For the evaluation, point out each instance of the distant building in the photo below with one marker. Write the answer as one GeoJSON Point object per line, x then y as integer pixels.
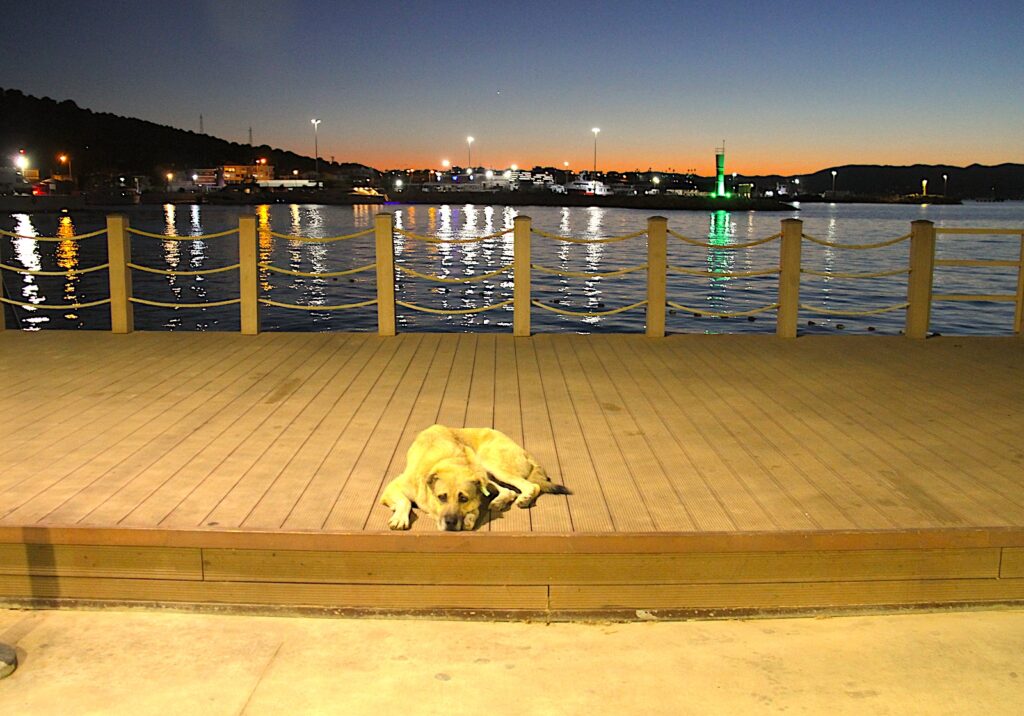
{"type": "Point", "coordinates": [246, 173]}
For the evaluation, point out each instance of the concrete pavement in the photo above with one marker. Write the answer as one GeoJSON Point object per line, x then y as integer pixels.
{"type": "Point", "coordinates": [137, 662]}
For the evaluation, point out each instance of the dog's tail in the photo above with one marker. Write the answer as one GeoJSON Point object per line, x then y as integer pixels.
{"type": "Point", "coordinates": [539, 476]}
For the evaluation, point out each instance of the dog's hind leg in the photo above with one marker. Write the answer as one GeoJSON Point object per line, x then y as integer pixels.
{"type": "Point", "coordinates": [528, 491]}
{"type": "Point", "coordinates": [503, 498]}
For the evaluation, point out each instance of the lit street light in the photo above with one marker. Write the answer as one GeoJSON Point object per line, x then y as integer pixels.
{"type": "Point", "coordinates": [834, 181]}
{"type": "Point", "coordinates": [170, 176]}
{"type": "Point", "coordinates": [595, 130]}
{"type": "Point", "coordinates": [21, 161]}
{"type": "Point", "coordinates": [316, 149]}
{"type": "Point", "coordinates": [445, 163]}
{"type": "Point", "coordinates": [924, 187]}
{"type": "Point", "coordinates": [945, 179]}
{"type": "Point", "coordinates": [65, 159]}
{"type": "Point", "coordinates": [469, 149]}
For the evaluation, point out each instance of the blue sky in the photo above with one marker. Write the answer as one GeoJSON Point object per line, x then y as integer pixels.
{"type": "Point", "coordinates": [791, 86]}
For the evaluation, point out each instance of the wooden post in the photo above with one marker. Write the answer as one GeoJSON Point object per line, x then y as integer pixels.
{"type": "Point", "coordinates": [919, 287]}
{"type": "Point", "coordinates": [1018, 324]}
{"type": "Point", "coordinates": [119, 254]}
{"type": "Point", "coordinates": [657, 261]}
{"type": "Point", "coordinates": [521, 276]}
{"type": "Point", "coordinates": [3, 306]}
{"type": "Point", "coordinates": [248, 274]}
{"type": "Point", "coordinates": [789, 278]}
{"type": "Point", "coordinates": [384, 232]}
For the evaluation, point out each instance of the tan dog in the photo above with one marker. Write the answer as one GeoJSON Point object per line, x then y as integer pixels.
{"type": "Point", "coordinates": [450, 471]}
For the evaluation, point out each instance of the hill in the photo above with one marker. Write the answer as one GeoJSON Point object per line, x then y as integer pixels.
{"type": "Point", "coordinates": [106, 144]}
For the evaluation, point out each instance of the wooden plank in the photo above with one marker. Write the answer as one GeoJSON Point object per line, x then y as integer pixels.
{"type": "Point", "coordinates": [118, 482]}
{"type": "Point", "coordinates": [125, 427]}
{"type": "Point", "coordinates": [279, 459]}
{"type": "Point", "coordinates": [589, 509]}
{"type": "Point", "coordinates": [371, 398]}
{"type": "Point", "coordinates": [456, 394]}
{"type": "Point", "coordinates": [650, 478]}
{"type": "Point", "coordinates": [363, 483]}
{"type": "Point", "coordinates": [421, 597]}
{"type": "Point", "coordinates": [101, 561]}
{"type": "Point", "coordinates": [235, 442]}
{"type": "Point", "coordinates": [547, 514]}
{"type": "Point", "coordinates": [507, 417]}
{"type": "Point", "coordinates": [577, 569]}
{"type": "Point", "coordinates": [790, 595]}
{"type": "Point", "coordinates": [1012, 564]}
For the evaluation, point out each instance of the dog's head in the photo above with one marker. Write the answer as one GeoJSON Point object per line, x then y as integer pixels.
{"type": "Point", "coordinates": [455, 491]}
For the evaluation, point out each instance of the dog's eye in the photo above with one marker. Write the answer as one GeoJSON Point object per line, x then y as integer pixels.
{"type": "Point", "coordinates": [442, 498]}
{"type": "Point", "coordinates": [463, 498]}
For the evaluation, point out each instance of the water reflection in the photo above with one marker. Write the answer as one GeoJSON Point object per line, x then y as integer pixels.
{"type": "Point", "coordinates": [720, 233]}
{"type": "Point", "coordinates": [67, 259]}
{"type": "Point", "coordinates": [26, 251]}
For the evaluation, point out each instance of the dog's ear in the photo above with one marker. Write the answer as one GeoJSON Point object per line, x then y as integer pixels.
{"type": "Point", "coordinates": [485, 485]}
{"type": "Point", "coordinates": [431, 480]}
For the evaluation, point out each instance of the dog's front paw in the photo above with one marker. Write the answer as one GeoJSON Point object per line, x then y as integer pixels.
{"type": "Point", "coordinates": [399, 522]}
{"type": "Point", "coordinates": [503, 501]}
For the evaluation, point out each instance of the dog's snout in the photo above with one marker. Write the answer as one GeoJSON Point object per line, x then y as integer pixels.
{"type": "Point", "coordinates": [451, 522]}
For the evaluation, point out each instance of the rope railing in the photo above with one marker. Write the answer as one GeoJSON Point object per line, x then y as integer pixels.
{"type": "Point", "coordinates": [51, 306]}
{"type": "Point", "coordinates": [435, 240]}
{"type": "Point", "coordinates": [588, 314]}
{"type": "Point", "coordinates": [722, 274]}
{"type": "Point", "coordinates": [588, 274]}
{"type": "Point", "coordinates": [721, 314]}
{"type": "Point", "coordinates": [727, 247]}
{"type": "Point", "coordinates": [571, 240]}
{"type": "Point", "coordinates": [170, 272]}
{"type": "Point", "coordinates": [68, 272]}
{"type": "Point", "coordinates": [78, 237]}
{"type": "Point", "coordinates": [856, 274]}
{"type": "Point", "coordinates": [316, 274]}
{"type": "Point", "coordinates": [444, 279]}
{"type": "Point", "coordinates": [837, 312]}
{"type": "Point", "coordinates": [856, 247]}
{"type": "Point", "coordinates": [306, 307]}
{"type": "Point", "coordinates": [453, 311]}
{"type": "Point", "coordinates": [320, 240]}
{"type": "Point", "coordinates": [194, 237]}
{"type": "Point", "coordinates": [164, 304]}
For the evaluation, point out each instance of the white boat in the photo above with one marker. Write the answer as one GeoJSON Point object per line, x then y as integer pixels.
{"type": "Point", "coordinates": [588, 187]}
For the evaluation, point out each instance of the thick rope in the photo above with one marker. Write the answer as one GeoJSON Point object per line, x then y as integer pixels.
{"type": "Point", "coordinates": [728, 247]}
{"type": "Point", "coordinates": [585, 274]}
{"type": "Point", "coordinates": [831, 312]}
{"type": "Point", "coordinates": [338, 307]}
{"type": "Point", "coordinates": [588, 314]}
{"type": "Point", "coordinates": [324, 274]}
{"type": "Point", "coordinates": [857, 247]}
{"type": "Point", "coordinates": [324, 240]}
{"type": "Point", "coordinates": [161, 304]}
{"type": "Point", "coordinates": [197, 237]}
{"type": "Point", "coordinates": [79, 237]}
{"type": "Point", "coordinates": [69, 272]}
{"type": "Point", "coordinates": [722, 274]}
{"type": "Point", "coordinates": [52, 307]}
{"type": "Point", "coordinates": [570, 240]}
{"type": "Point", "coordinates": [867, 274]}
{"type": "Point", "coordinates": [453, 311]}
{"type": "Point", "coordinates": [441, 279]}
{"type": "Point", "coordinates": [168, 272]}
{"type": "Point", "coordinates": [721, 314]}
{"type": "Point", "coordinates": [435, 240]}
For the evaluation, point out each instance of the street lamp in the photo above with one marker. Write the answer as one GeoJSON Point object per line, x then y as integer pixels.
{"type": "Point", "coordinates": [65, 159]}
{"type": "Point", "coordinates": [170, 176]}
{"type": "Point", "coordinates": [316, 149]}
{"type": "Point", "coordinates": [21, 161]}
{"type": "Point", "coordinates": [834, 181]}
{"type": "Point", "coordinates": [469, 149]}
{"type": "Point", "coordinates": [924, 187]}
{"type": "Point", "coordinates": [945, 179]}
{"type": "Point", "coordinates": [595, 130]}
{"type": "Point", "coordinates": [445, 163]}
{"type": "Point", "coordinates": [398, 185]}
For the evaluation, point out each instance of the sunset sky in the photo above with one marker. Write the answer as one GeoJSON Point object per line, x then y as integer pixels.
{"type": "Point", "coordinates": [792, 87]}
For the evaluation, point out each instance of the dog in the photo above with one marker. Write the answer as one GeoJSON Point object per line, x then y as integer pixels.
{"type": "Point", "coordinates": [451, 472]}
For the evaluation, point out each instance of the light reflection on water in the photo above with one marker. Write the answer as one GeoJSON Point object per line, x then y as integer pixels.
{"type": "Point", "coordinates": [845, 223]}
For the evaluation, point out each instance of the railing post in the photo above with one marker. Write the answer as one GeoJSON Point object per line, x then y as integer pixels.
{"type": "Point", "coordinates": [521, 276]}
{"type": "Point", "coordinates": [789, 278]}
{"type": "Point", "coordinates": [657, 261]}
{"type": "Point", "coordinates": [248, 283]}
{"type": "Point", "coordinates": [119, 254]}
{"type": "Point", "coordinates": [3, 306]}
{"type": "Point", "coordinates": [919, 287]}
{"type": "Point", "coordinates": [384, 234]}
{"type": "Point", "coordinates": [1018, 323]}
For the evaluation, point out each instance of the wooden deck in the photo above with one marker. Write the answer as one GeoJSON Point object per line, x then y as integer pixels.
{"type": "Point", "coordinates": [708, 472]}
